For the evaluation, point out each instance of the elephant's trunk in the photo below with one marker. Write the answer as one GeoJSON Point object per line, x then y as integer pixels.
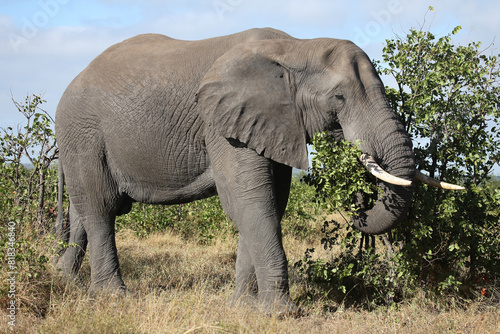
{"type": "Point", "coordinates": [392, 150]}
{"type": "Point", "coordinates": [390, 208]}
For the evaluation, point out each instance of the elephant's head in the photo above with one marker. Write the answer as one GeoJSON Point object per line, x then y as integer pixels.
{"type": "Point", "coordinates": [273, 95]}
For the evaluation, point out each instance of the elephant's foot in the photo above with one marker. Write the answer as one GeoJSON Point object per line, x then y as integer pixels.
{"type": "Point", "coordinates": [279, 306]}
{"type": "Point", "coordinates": [246, 299]}
{"type": "Point", "coordinates": [67, 263]}
{"type": "Point", "coordinates": [112, 286]}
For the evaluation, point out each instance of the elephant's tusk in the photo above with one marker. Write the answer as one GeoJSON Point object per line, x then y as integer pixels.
{"type": "Point", "coordinates": [370, 164]}
{"type": "Point", "coordinates": [436, 183]}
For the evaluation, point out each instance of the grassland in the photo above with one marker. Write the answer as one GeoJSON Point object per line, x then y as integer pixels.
{"type": "Point", "coordinates": [177, 285]}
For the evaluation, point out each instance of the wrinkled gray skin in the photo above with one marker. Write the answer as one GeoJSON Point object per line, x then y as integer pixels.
{"type": "Point", "coordinates": [159, 120]}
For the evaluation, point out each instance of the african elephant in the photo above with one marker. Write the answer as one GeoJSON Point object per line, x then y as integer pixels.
{"type": "Point", "coordinates": [159, 120]}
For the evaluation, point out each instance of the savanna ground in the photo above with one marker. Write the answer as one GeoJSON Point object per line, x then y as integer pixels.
{"type": "Point", "coordinates": [179, 285]}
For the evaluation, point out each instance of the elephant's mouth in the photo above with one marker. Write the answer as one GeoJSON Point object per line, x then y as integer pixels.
{"type": "Point", "coordinates": [377, 171]}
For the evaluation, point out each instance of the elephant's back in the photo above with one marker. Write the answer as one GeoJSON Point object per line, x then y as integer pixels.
{"type": "Point", "coordinates": [136, 101]}
{"type": "Point", "coordinates": [156, 54]}
{"type": "Point", "coordinates": [151, 69]}
{"type": "Point", "coordinates": [151, 72]}
{"type": "Point", "coordinates": [149, 60]}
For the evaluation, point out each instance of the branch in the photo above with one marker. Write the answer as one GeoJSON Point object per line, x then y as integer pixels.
{"type": "Point", "coordinates": [388, 244]}
{"type": "Point", "coordinates": [47, 114]}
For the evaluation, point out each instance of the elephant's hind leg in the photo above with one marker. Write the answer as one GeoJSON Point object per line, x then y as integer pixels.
{"type": "Point", "coordinates": [96, 200]}
{"type": "Point", "coordinates": [70, 259]}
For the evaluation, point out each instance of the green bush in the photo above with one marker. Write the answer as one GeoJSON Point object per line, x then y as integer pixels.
{"type": "Point", "coordinates": [28, 188]}
{"type": "Point", "coordinates": [447, 99]}
{"type": "Point", "coordinates": [301, 210]}
{"type": "Point", "coordinates": [202, 220]}
{"type": "Point", "coordinates": [357, 273]}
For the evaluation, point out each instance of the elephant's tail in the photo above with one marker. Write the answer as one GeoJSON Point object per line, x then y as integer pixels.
{"type": "Point", "coordinates": [62, 225]}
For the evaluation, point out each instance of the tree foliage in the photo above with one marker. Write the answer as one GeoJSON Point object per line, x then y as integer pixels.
{"type": "Point", "coordinates": [25, 159]}
{"type": "Point", "coordinates": [447, 98]}
{"type": "Point", "coordinates": [336, 175]}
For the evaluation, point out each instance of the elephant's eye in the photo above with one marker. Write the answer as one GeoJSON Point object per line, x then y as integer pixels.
{"type": "Point", "coordinates": [337, 101]}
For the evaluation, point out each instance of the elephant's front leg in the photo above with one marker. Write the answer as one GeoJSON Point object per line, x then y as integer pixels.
{"type": "Point", "coordinates": [245, 184]}
{"type": "Point", "coordinates": [246, 281]}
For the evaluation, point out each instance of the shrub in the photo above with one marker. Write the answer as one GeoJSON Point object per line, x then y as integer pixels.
{"type": "Point", "coordinates": [301, 210]}
{"type": "Point", "coordinates": [27, 202]}
{"type": "Point", "coordinates": [202, 220]}
{"type": "Point", "coordinates": [447, 99]}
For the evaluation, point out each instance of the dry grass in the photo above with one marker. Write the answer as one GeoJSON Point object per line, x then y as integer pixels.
{"type": "Point", "coordinates": [178, 286]}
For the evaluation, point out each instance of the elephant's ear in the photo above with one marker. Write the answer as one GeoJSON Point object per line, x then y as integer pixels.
{"type": "Point", "coordinates": [248, 96]}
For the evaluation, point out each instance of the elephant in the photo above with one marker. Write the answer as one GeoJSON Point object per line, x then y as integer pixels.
{"type": "Point", "coordinates": [165, 121]}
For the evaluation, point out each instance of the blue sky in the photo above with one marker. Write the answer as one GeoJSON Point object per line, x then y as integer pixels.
{"type": "Point", "coordinates": [44, 44]}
